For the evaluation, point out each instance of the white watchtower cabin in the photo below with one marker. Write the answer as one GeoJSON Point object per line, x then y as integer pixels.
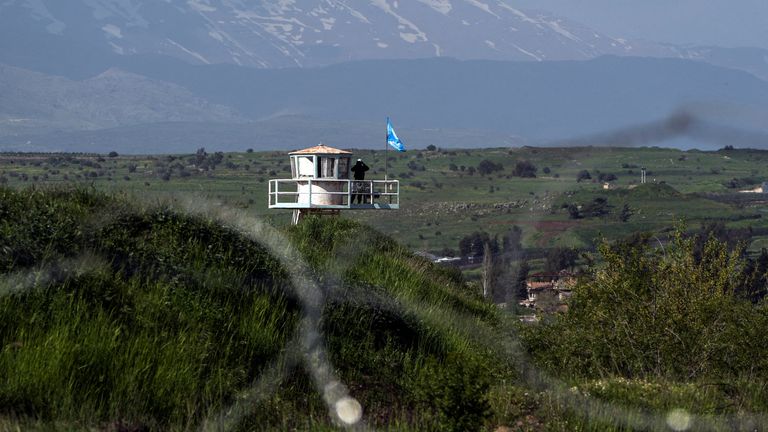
{"type": "Point", "coordinates": [321, 184]}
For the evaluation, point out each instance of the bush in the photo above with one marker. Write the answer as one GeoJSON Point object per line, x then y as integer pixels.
{"type": "Point", "coordinates": [583, 175]}
{"type": "Point", "coordinates": [657, 313]}
{"type": "Point", "coordinates": [487, 167]}
{"type": "Point", "coordinates": [524, 169]}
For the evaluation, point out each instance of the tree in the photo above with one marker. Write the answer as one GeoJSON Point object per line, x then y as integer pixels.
{"type": "Point", "coordinates": [520, 287]}
{"type": "Point", "coordinates": [583, 175]}
{"type": "Point", "coordinates": [573, 211]}
{"type": "Point", "coordinates": [511, 241]}
{"type": "Point", "coordinates": [431, 147]}
{"type": "Point", "coordinates": [524, 169]}
{"type": "Point", "coordinates": [486, 167]}
{"type": "Point", "coordinates": [112, 154]}
{"type": "Point", "coordinates": [546, 170]}
{"type": "Point", "coordinates": [472, 245]}
{"type": "Point", "coordinates": [488, 268]}
{"type": "Point", "coordinates": [597, 208]}
{"type": "Point", "coordinates": [560, 259]}
{"type": "Point", "coordinates": [200, 156]}
{"type": "Point", "coordinates": [626, 213]}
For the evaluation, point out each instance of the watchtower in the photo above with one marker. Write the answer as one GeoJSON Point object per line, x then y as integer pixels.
{"type": "Point", "coordinates": [320, 184]}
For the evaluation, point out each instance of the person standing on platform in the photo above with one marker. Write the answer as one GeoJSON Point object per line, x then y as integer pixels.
{"type": "Point", "coordinates": [359, 187]}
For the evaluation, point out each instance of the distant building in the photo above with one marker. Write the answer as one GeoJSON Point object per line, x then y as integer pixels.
{"type": "Point", "coordinates": [560, 284]}
{"type": "Point", "coordinates": [448, 260]}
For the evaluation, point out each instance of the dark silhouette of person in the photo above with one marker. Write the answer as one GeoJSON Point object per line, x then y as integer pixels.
{"type": "Point", "coordinates": [359, 187]}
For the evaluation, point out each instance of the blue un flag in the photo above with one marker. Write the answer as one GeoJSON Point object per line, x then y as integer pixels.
{"type": "Point", "coordinates": [392, 138]}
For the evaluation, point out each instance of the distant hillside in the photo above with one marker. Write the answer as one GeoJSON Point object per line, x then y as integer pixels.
{"type": "Point", "coordinates": [36, 103]}
{"type": "Point", "coordinates": [498, 103]}
{"type": "Point", "coordinates": [281, 133]}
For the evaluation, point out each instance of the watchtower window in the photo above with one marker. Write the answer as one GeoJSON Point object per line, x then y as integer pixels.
{"type": "Point", "coordinates": [344, 168]}
{"type": "Point", "coordinates": [305, 166]}
{"type": "Point", "coordinates": [325, 168]}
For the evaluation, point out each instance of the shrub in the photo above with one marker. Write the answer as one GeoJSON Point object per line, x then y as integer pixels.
{"type": "Point", "coordinates": [486, 167]}
{"type": "Point", "coordinates": [583, 175]}
{"type": "Point", "coordinates": [524, 169]}
{"type": "Point", "coordinates": [657, 313]}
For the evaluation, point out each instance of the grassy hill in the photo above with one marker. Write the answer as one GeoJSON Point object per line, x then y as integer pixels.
{"type": "Point", "coordinates": [113, 315]}
{"type": "Point", "coordinates": [116, 314]}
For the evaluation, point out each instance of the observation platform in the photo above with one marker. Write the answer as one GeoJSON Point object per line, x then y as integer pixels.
{"type": "Point", "coordinates": [334, 194]}
{"type": "Point", "coordinates": [320, 184]}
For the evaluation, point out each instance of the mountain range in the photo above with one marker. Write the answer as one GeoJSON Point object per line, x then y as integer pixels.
{"type": "Point", "coordinates": [103, 67]}
{"type": "Point", "coordinates": [81, 38]}
{"type": "Point", "coordinates": [439, 100]}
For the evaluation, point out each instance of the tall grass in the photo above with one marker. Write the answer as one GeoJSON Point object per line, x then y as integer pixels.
{"type": "Point", "coordinates": [183, 314]}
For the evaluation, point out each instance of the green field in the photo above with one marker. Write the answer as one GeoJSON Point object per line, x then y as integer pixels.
{"type": "Point", "coordinates": [441, 203]}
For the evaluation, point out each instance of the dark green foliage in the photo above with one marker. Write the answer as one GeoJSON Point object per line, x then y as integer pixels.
{"type": "Point", "coordinates": [560, 259]}
{"type": "Point", "coordinates": [183, 314]}
{"type": "Point", "coordinates": [661, 314]}
{"type": "Point", "coordinates": [512, 240]}
{"type": "Point", "coordinates": [736, 183]}
{"type": "Point", "coordinates": [626, 213]}
{"type": "Point", "coordinates": [37, 225]}
{"type": "Point", "coordinates": [486, 167]}
{"type": "Point", "coordinates": [606, 177]}
{"type": "Point", "coordinates": [520, 288]}
{"type": "Point", "coordinates": [573, 211]}
{"type": "Point", "coordinates": [456, 389]}
{"type": "Point", "coordinates": [473, 244]}
{"type": "Point", "coordinates": [583, 175]}
{"type": "Point", "coordinates": [524, 169]}
{"type": "Point", "coordinates": [598, 207]}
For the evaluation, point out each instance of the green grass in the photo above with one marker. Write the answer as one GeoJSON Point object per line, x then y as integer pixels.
{"type": "Point", "coordinates": [429, 218]}
{"type": "Point", "coordinates": [140, 315]}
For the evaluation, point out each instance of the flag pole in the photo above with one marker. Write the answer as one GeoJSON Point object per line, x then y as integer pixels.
{"type": "Point", "coordinates": [386, 152]}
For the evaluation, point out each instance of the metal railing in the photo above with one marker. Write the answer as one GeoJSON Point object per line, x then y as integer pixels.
{"type": "Point", "coordinates": [334, 194]}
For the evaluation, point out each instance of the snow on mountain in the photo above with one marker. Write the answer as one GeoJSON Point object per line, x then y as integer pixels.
{"type": "Point", "coordinates": [284, 33]}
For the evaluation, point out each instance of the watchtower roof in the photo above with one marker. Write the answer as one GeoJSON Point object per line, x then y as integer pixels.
{"type": "Point", "coordinates": [320, 149]}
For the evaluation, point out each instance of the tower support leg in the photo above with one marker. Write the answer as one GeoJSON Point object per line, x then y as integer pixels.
{"type": "Point", "coordinates": [300, 214]}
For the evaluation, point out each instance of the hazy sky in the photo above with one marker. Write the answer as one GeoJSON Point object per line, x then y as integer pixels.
{"type": "Point", "coordinates": [708, 22]}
